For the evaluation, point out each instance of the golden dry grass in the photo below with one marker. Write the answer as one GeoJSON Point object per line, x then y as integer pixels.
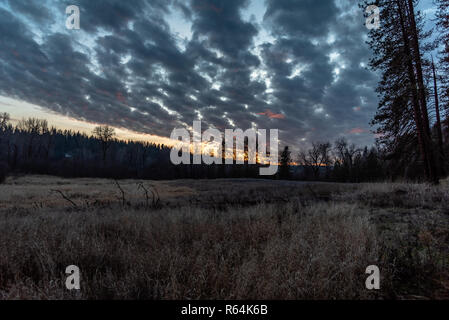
{"type": "Point", "coordinates": [222, 239]}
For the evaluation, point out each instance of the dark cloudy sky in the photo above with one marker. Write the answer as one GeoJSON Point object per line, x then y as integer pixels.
{"type": "Point", "coordinates": [299, 66]}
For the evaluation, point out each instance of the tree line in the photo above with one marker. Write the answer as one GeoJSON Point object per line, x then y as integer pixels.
{"type": "Point", "coordinates": [32, 147]}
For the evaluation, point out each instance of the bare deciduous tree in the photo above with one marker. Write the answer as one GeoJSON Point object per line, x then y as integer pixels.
{"type": "Point", "coordinates": [4, 120]}
{"type": "Point", "coordinates": [106, 135]}
{"type": "Point", "coordinates": [316, 157]}
{"type": "Point", "coordinates": [35, 128]}
{"type": "Point", "coordinates": [346, 153]}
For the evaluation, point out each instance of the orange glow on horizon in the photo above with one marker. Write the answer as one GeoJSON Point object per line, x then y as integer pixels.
{"type": "Point", "coordinates": [20, 109]}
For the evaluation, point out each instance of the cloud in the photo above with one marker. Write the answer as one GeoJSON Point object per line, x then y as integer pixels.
{"type": "Point", "coordinates": [126, 67]}
{"type": "Point", "coordinates": [357, 131]}
{"type": "Point", "coordinates": [272, 115]}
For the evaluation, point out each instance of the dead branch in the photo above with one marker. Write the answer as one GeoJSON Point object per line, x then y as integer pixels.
{"type": "Point", "coordinates": [65, 198]}
{"type": "Point", "coordinates": [147, 197]}
{"type": "Point", "coordinates": [122, 192]}
{"type": "Point", "coordinates": [155, 202]}
{"type": "Point", "coordinates": [155, 195]}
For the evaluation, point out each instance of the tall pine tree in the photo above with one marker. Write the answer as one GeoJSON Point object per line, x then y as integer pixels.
{"type": "Point", "coordinates": [402, 118]}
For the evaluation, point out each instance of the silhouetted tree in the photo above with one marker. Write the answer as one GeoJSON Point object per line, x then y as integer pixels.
{"type": "Point", "coordinates": [285, 162]}
{"type": "Point", "coordinates": [4, 136]}
{"type": "Point", "coordinates": [4, 120]}
{"type": "Point", "coordinates": [345, 155]}
{"type": "Point", "coordinates": [316, 158]}
{"type": "Point", "coordinates": [402, 116]}
{"type": "Point", "coordinates": [106, 135]}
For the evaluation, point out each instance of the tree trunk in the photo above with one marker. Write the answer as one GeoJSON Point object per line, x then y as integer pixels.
{"type": "Point", "coordinates": [415, 101]}
{"type": "Point", "coordinates": [422, 92]}
{"type": "Point", "coordinates": [418, 65]}
{"type": "Point", "coordinates": [438, 123]}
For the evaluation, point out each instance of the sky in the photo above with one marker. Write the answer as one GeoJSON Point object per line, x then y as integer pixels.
{"type": "Point", "coordinates": [148, 67]}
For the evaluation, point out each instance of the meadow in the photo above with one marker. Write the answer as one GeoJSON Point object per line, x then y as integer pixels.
{"type": "Point", "coordinates": [222, 239]}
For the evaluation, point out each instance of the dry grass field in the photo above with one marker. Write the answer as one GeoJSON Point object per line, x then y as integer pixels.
{"type": "Point", "coordinates": [222, 239]}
